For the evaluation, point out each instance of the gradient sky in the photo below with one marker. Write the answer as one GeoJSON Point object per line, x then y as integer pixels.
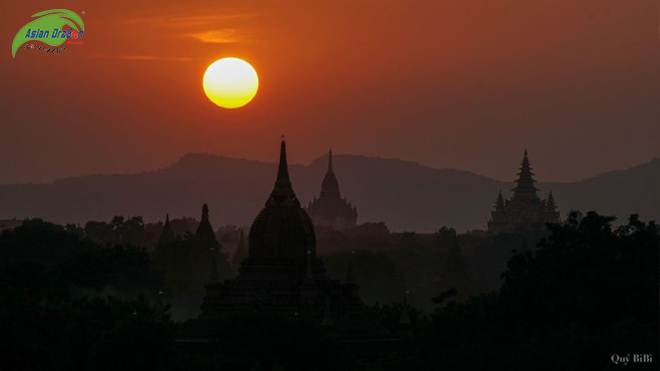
{"type": "Point", "coordinates": [466, 84]}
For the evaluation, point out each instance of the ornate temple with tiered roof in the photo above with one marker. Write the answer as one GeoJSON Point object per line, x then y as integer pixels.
{"type": "Point", "coordinates": [282, 274]}
{"type": "Point", "coordinates": [329, 209]}
{"type": "Point", "coordinates": [525, 210]}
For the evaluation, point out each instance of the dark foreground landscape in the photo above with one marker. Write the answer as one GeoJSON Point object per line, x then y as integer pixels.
{"type": "Point", "coordinates": [127, 295]}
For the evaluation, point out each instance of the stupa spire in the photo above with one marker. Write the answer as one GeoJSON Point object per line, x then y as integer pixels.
{"type": "Point", "coordinates": [330, 169]}
{"type": "Point", "coordinates": [283, 180]}
{"type": "Point", "coordinates": [282, 192]}
{"type": "Point", "coordinates": [167, 235]}
{"type": "Point", "coordinates": [525, 181]}
{"type": "Point", "coordinates": [204, 234]}
{"type": "Point", "coordinates": [330, 185]}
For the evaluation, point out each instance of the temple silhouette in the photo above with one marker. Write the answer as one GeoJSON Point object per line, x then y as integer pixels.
{"type": "Point", "coordinates": [282, 274]}
{"type": "Point", "coordinates": [167, 236]}
{"type": "Point", "coordinates": [241, 252]}
{"type": "Point", "coordinates": [524, 210]}
{"type": "Point", "coordinates": [329, 209]}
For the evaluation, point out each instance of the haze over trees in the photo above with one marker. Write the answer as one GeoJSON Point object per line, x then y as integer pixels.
{"type": "Point", "coordinates": [71, 301]}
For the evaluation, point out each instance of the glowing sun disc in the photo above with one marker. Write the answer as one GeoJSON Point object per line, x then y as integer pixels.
{"type": "Point", "coordinates": [230, 82]}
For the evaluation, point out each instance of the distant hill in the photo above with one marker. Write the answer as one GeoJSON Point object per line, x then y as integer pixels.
{"type": "Point", "coordinates": [405, 195]}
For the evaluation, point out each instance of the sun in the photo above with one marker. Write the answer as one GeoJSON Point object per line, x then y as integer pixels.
{"type": "Point", "coordinates": [230, 82]}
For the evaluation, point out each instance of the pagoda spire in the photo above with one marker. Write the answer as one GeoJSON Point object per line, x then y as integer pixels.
{"type": "Point", "coordinates": [330, 185]}
{"type": "Point", "coordinates": [204, 234]}
{"type": "Point", "coordinates": [283, 180]}
{"type": "Point", "coordinates": [525, 168]}
{"type": "Point", "coordinates": [167, 235]}
{"type": "Point", "coordinates": [551, 211]}
{"type": "Point", "coordinates": [282, 192]}
{"type": "Point", "coordinates": [330, 169]}
{"type": "Point", "coordinates": [525, 181]}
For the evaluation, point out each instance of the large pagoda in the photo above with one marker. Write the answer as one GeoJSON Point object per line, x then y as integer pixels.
{"type": "Point", "coordinates": [330, 209]}
{"type": "Point", "coordinates": [525, 210]}
{"type": "Point", "coordinates": [282, 274]}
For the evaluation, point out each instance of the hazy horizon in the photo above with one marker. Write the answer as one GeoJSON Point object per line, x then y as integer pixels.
{"type": "Point", "coordinates": [294, 161]}
{"type": "Point", "coordinates": [235, 190]}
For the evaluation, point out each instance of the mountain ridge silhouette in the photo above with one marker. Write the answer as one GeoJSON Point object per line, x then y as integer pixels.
{"type": "Point", "coordinates": [405, 195]}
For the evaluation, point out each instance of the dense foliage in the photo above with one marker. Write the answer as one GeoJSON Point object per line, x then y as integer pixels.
{"type": "Point", "coordinates": [587, 291]}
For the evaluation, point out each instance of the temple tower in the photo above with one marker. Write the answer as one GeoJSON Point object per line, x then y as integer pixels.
{"type": "Point", "coordinates": [330, 209]}
{"type": "Point", "coordinates": [283, 275]}
{"type": "Point", "coordinates": [167, 236]}
{"type": "Point", "coordinates": [524, 210]}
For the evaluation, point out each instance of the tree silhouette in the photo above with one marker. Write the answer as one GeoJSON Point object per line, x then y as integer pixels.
{"type": "Point", "coordinates": [566, 305]}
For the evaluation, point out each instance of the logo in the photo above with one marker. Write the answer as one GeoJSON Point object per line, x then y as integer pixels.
{"type": "Point", "coordinates": [48, 28]}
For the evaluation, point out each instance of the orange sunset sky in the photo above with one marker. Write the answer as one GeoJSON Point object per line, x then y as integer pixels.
{"type": "Point", "coordinates": [466, 84]}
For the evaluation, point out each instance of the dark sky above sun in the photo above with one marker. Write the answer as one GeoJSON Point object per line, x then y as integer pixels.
{"type": "Point", "coordinates": [466, 84]}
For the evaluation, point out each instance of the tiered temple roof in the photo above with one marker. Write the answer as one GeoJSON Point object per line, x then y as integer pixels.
{"type": "Point", "coordinates": [524, 210]}
{"type": "Point", "coordinates": [330, 209]}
